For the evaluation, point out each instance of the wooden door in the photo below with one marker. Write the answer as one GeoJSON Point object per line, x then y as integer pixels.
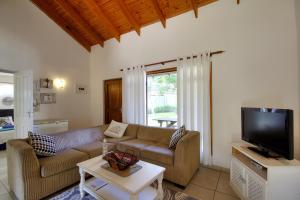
{"type": "Point", "coordinates": [113, 100]}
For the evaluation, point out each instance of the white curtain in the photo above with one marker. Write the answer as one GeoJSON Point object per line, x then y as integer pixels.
{"type": "Point", "coordinates": [134, 95]}
{"type": "Point", "coordinates": [194, 100]}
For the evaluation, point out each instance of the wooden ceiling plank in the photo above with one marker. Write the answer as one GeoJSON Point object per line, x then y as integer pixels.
{"type": "Point", "coordinates": [97, 11]}
{"type": "Point", "coordinates": [159, 12]}
{"type": "Point", "coordinates": [129, 17]}
{"type": "Point", "coordinates": [195, 7]}
{"type": "Point", "coordinates": [79, 20]}
{"type": "Point", "coordinates": [43, 6]}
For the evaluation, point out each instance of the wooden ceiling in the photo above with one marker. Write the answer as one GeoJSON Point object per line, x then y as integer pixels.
{"type": "Point", "coordinates": [92, 22]}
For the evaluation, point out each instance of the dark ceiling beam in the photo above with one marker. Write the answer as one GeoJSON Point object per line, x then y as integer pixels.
{"type": "Point", "coordinates": [134, 24]}
{"type": "Point", "coordinates": [159, 12]}
{"type": "Point", "coordinates": [43, 6]}
{"type": "Point", "coordinates": [98, 12]}
{"type": "Point", "coordinates": [80, 21]}
{"type": "Point", "coordinates": [195, 7]}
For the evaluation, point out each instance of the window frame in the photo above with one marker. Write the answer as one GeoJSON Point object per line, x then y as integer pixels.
{"type": "Point", "coordinates": [156, 72]}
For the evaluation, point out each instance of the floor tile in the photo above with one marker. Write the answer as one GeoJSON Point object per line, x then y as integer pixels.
{"type": "Point", "coordinates": [3, 169]}
{"type": "Point", "coordinates": [3, 189]}
{"type": "Point", "coordinates": [4, 181]}
{"type": "Point", "coordinates": [2, 154]}
{"type": "Point", "coordinates": [224, 184]}
{"type": "Point", "coordinates": [207, 178]}
{"type": "Point", "coordinates": [5, 197]}
{"type": "Point", "coordinates": [222, 196]}
{"type": "Point", "coordinates": [199, 192]}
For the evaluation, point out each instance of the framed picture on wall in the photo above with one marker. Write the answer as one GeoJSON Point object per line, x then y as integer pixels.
{"type": "Point", "coordinates": [48, 98]}
{"type": "Point", "coordinates": [46, 83]}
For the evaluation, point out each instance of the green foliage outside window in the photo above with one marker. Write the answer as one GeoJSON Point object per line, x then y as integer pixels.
{"type": "Point", "coordinates": [167, 83]}
{"type": "Point", "coordinates": [163, 109]}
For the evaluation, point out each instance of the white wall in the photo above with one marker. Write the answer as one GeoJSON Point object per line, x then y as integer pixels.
{"type": "Point", "coordinates": [6, 78]}
{"type": "Point", "coordinates": [297, 14]}
{"type": "Point", "coordinates": [31, 40]}
{"type": "Point", "coordinates": [259, 67]}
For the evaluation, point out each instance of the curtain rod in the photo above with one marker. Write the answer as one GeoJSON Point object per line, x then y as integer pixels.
{"type": "Point", "coordinates": [173, 60]}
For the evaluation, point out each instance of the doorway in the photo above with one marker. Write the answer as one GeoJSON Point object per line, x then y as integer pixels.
{"type": "Point", "coordinates": [7, 125]}
{"type": "Point", "coordinates": [113, 100]}
{"type": "Point", "coordinates": [16, 104]}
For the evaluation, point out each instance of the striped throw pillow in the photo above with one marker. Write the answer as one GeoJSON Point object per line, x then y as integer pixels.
{"type": "Point", "coordinates": [43, 145]}
{"type": "Point", "coordinates": [179, 133]}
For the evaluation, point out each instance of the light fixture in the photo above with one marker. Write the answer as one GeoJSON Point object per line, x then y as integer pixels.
{"type": "Point", "coordinates": [59, 83]}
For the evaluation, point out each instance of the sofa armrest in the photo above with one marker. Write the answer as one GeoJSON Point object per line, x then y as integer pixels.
{"type": "Point", "coordinates": [21, 159]}
{"type": "Point", "coordinates": [23, 166]}
{"type": "Point", "coordinates": [187, 153]}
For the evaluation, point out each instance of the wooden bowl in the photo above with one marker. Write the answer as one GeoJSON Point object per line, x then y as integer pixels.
{"type": "Point", "coordinates": [120, 160]}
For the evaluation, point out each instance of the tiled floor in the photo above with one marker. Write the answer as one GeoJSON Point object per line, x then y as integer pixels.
{"type": "Point", "coordinates": [4, 194]}
{"type": "Point", "coordinates": [207, 184]}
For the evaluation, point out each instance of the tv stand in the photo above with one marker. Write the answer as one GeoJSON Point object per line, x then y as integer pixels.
{"type": "Point", "coordinates": [253, 176]}
{"type": "Point", "coordinates": [263, 152]}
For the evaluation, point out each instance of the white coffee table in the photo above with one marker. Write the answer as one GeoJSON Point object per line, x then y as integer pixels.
{"type": "Point", "coordinates": [134, 187]}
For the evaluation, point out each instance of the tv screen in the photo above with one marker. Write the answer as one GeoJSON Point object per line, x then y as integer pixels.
{"type": "Point", "coordinates": [270, 129]}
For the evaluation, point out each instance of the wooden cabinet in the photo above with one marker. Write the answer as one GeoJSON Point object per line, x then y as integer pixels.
{"type": "Point", "coordinates": [237, 176]}
{"type": "Point", "coordinates": [254, 177]}
{"type": "Point", "coordinates": [255, 186]}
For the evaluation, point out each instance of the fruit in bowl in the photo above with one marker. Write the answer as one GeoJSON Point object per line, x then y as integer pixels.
{"type": "Point", "coordinates": [120, 160]}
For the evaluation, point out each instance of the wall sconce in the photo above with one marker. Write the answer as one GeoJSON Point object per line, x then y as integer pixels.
{"type": "Point", "coordinates": [59, 83]}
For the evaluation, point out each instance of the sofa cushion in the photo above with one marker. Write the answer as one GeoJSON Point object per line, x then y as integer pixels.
{"type": "Point", "coordinates": [132, 130]}
{"type": "Point", "coordinates": [133, 146]}
{"type": "Point", "coordinates": [61, 162]}
{"type": "Point", "coordinates": [158, 152]}
{"type": "Point", "coordinates": [70, 139]}
{"type": "Point", "coordinates": [94, 149]}
{"type": "Point", "coordinates": [155, 134]}
{"type": "Point", "coordinates": [116, 140]}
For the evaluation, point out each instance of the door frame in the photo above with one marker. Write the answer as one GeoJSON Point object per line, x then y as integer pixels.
{"type": "Point", "coordinates": [23, 118]}
{"type": "Point", "coordinates": [106, 96]}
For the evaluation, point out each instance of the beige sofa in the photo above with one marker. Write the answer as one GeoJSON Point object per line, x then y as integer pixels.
{"type": "Point", "coordinates": [32, 177]}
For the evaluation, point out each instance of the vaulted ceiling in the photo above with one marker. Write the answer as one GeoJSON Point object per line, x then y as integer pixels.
{"type": "Point", "coordinates": [92, 22]}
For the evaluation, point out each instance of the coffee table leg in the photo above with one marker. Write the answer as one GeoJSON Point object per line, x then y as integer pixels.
{"type": "Point", "coordinates": [160, 190]}
{"type": "Point", "coordinates": [82, 180]}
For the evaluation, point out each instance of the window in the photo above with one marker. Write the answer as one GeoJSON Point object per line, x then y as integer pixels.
{"type": "Point", "coordinates": [162, 98]}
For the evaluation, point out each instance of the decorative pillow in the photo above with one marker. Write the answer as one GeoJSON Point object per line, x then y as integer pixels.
{"type": "Point", "coordinates": [115, 129]}
{"type": "Point", "coordinates": [179, 133]}
{"type": "Point", "coordinates": [43, 145]}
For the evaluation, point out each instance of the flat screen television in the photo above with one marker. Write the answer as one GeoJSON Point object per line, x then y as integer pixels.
{"type": "Point", "coordinates": [270, 129]}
